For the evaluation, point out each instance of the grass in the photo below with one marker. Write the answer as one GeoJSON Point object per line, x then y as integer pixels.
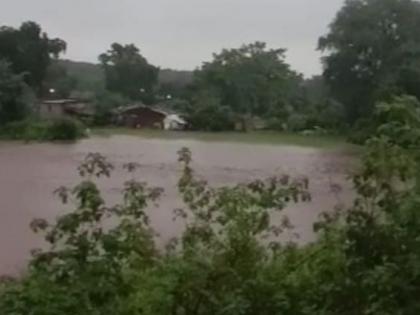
{"type": "Point", "coordinates": [256, 137]}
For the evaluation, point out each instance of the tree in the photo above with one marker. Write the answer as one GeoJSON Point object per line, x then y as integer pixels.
{"type": "Point", "coordinates": [127, 72]}
{"type": "Point", "coordinates": [12, 93]}
{"type": "Point", "coordinates": [321, 108]}
{"type": "Point", "coordinates": [174, 83]}
{"type": "Point", "coordinates": [206, 113]}
{"type": "Point", "coordinates": [29, 51]}
{"type": "Point", "coordinates": [373, 52]}
{"type": "Point", "coordinates": [251, 80]}
{"type": "Point", "coordinates": [57, 78]}
{"type": "Point", "coordinates": [105, 104]}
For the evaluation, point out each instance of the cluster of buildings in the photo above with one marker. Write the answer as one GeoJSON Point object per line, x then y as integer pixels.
{"type": "Point", "coordinates": [133, 116]}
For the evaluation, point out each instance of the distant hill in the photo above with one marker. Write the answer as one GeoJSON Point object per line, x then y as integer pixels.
{"type": "Point", "coordinates": [179, 78]}
{"type": "Point", "coordinates": [90, 76]}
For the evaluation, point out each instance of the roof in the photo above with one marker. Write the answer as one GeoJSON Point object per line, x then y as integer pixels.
{"type": "Point", "coordinates": [141, 106]}
{"type": "Point", "coordinates": [59, 102]}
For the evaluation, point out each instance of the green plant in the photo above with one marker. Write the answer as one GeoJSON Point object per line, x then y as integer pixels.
{"type": "Point", "coordinates": [64, 129]}
{"type": "Point", "coordinates": [297, 122]}
{"type": "Point", "coordinates": [25, 130]}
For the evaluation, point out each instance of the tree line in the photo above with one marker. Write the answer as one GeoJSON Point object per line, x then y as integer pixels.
{"type": "Point", "coordinates": [371, 53]}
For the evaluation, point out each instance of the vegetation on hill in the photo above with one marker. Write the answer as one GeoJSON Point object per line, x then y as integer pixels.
{"type": "Point", "coordinates": [87, 76]}
{"type": "Point", "coordinates": [174, 82]}
{"type": "Point", "coordinates": [90, 77]}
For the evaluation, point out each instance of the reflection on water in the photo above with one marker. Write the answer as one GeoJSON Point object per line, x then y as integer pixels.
{"type": "Point", "coordinates": [29, 173]}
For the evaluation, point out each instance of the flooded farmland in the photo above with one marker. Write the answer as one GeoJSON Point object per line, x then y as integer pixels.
{"type": "Point", "coordinates": [29, 173]}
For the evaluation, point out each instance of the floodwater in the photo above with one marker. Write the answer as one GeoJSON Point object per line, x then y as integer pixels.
{"type": "Point", "coordinates": [29, 173]}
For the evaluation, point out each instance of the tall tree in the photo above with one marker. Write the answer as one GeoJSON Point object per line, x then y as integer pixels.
{"type": "Point", "coordinates": [251, 79]}
{"type": "Point", "coordinates": [127, 72]}
{"type": "Point", "coordinates": [29, 50]}
{"type": "Point", "coordinates": [12, 90]}
{"type": "Point", "coordinates": [57, 78]}
{"type": "Point", "coordinates": [372, 51]}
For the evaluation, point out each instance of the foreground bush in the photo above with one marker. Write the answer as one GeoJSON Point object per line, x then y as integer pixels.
{"type": "Point", "coordinates": [60, 129]}
{"type": "Point", "coordinates": [229, 259]}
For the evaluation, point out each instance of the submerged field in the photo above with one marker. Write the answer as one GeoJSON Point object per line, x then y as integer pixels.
{"type": "Point", "coordinates": [255, 137]}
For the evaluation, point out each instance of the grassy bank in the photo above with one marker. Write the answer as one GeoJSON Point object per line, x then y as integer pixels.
{"type": "Point", "coordinates": [256, 137]}
{"type": "Point", "coordinates": [42, 130]}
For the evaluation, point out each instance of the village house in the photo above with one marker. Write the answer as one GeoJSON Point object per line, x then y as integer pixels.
{"type": "Point", "coordinates": [141, 116]}
{"type": "Point", "coordinates": [65, 108]}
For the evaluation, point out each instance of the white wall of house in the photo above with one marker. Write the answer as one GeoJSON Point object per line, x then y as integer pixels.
{"type": "Point", "coordinates": [174, 122]}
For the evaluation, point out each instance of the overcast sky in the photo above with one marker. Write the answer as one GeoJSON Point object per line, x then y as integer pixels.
{"type": "Point", "coordinates": [180, 34]}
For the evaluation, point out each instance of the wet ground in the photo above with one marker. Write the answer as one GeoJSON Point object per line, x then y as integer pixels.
{"type": "Point", "coordinates": [29, 173]}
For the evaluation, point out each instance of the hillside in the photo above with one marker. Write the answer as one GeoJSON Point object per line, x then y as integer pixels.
{"type": "Point", "coordinates": [90, 76]}
{"type": "Point", "coordinates": [180, 78]}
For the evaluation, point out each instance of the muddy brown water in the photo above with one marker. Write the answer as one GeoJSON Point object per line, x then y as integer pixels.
{"type": "Point", "coordinates": [29, 173]}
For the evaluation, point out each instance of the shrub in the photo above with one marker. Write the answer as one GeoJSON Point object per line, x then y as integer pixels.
{"type": "Point", "coordinates": [206, 112]}
{"type": "Point", "coordinates": [25, 130]}
{"type": "Point", "coordinates": [105, 103]}
{"type": "Point", "coordinates": [276, 124]}
{"type": "Point", "coordinates": [297, 122]}
{"type": "Point", "coordinates": [212, 118]}
{"type": "Point", "coordinates": [64, 129]}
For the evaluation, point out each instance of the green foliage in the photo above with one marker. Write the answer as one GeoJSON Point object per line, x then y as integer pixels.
{"type": "Point", "coordinates": [65, 129]}
{"type": "Point", "coordinates": [297, 122]}
{"type": "Point", "coordinates": [58, 79]}
{"type": "Point", "coordinates": [372, 53]}
{"type": "Point", "coordinates": [12, 95]}
{"type": "Point", "coordinates": [174, 82]}
{"type": "Point", "coordinates": [105, 105]}
{"type": "Point", "coordinates": [380, 233]}
{"type": "Point", "coordinates": [405, 105]}
{"type": "Point", "coordinates": [206, 113]}
{"type": "Point", "coordinates": [29, 51]}
{"type": "Point", "coordinates": [251, 80]}
{"type": "Point", "coordinates": [88, 76]}
{"type": "Point", "coordinates": [127, 72]}
{"type": "Point", "coordinates": [277, 124]}
{"type": "Point", "coordinates": [24, 130]}
{"type": "Point", "coordinates": [320, 108]}
{"type": "Point", "coordinates": [60, 129]}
